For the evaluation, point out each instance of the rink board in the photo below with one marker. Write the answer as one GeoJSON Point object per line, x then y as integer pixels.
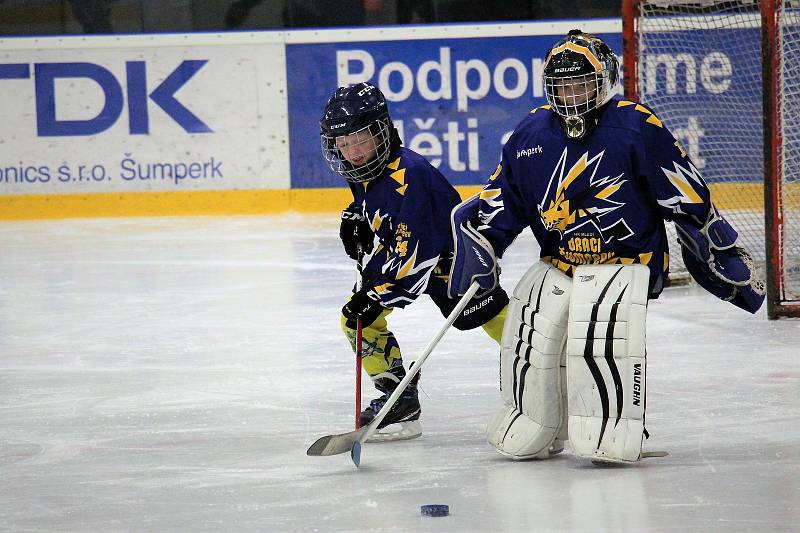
{"type": "Point", "coordinates": [183, 124]}
{"type": "Point", "coordinates": [228, 123]}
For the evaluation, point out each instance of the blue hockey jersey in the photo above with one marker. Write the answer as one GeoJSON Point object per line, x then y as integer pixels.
{"type": "Point", "coordinates": [408, 208]}
{"type": "Point", "coordinates": [600, 199]}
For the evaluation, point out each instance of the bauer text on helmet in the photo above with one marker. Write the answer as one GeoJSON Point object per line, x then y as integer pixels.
{"type": "Point", "coordinates": [580, 76]}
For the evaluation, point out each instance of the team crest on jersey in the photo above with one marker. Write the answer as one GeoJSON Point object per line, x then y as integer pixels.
{"type": "Point", "coordinates": [575, 197]}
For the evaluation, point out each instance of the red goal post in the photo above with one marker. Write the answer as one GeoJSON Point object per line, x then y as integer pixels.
{"type": "Point", "coordinates": [715, 71]}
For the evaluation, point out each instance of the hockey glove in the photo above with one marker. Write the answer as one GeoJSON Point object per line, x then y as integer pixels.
{"type": "Point", "coordinates": [355, 231]}
{"type": "Point", "coordinates": [364, 304]}
{"type": "Point", "coordinates": [747, 296]}
{"type": "Point", "coordinates": [718, 264]}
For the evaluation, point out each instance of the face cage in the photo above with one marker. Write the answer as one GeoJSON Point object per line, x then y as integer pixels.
{"type": "Point", "coordinates": [379, 138]}
{"type": "Point", "coordinates": [588, 92]}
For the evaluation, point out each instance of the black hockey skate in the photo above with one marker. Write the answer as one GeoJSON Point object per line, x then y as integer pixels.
{"type": "Point", "coordinates": [402, 421]}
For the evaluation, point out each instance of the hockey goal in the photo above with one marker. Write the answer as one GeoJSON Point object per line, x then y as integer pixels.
{"type": "Point", "coordinates": [725, 78]}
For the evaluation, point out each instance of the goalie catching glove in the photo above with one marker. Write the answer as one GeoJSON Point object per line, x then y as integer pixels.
{"type": "Point", "coordinates": [473, 256]}
{"type": "Point", "coordinates": [718, 264]}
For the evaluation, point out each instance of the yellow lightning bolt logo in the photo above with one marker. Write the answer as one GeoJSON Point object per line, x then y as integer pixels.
{"type": "Point", "coordinates": [567, 214]}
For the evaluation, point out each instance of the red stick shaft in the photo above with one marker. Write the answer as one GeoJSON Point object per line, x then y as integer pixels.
{"type": "Point", "coordinates": [359, 338]}
{"type": "Point", "coordinates": [358, 372]}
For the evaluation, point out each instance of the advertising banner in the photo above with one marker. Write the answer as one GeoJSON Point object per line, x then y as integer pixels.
{"type": "Point", "coordinates": [142, 114]}
{"type": "Point", "coordinates": [455, 93]}
{"type": "Point", "coordinates": [706, 85]}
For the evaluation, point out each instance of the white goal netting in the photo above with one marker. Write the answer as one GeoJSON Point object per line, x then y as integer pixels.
{"type": "Point", "coordinates": [699, 66]}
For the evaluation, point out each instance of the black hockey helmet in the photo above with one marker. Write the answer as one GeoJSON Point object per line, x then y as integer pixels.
{"type": "Point", "coordinates": [581, 74]}
{"type": "Point", "coordinates": [357, 115]}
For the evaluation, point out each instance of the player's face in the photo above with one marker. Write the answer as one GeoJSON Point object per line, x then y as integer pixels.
{"type": "Point", "coordinates": [577, 90]}
{"type": "Point", "coordinates": [358, 148]}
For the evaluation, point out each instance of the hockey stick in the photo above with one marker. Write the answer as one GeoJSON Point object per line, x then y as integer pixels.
{"type": "Point", "coordinates": [342, 442]}
{"type": "Point", "coordinates": [359, 340]}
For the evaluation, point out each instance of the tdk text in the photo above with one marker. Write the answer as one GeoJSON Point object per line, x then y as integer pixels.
{"type": "Point", "coordinates": [138, 97]}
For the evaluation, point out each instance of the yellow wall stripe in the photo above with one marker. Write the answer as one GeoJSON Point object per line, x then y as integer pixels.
{"type": "Point", "coordinates": [731, 196]}
{"type": "Point", "coordinates": [182, 203]}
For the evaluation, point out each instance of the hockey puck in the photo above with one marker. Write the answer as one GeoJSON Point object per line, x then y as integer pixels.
{"type": "Point", "coordinates": [435, 510]}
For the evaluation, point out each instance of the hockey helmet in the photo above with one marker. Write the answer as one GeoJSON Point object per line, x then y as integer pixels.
{"type": "Point", "coordinates": [581, 74]}
{"type": "Point", "coordinates": [356, 132]}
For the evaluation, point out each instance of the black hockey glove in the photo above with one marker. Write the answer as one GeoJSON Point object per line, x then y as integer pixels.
{"type": "Point", "coordinates": [355, 231]}
{"type": "Point", "coordinates": [364, 304]}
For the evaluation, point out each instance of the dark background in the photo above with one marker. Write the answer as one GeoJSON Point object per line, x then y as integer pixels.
{"type": "Point", "coordinates": [60, 17]}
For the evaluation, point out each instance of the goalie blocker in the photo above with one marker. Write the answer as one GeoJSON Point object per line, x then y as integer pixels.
{"type": "Point", "coordinates": [573, 358]}
{"type": "Point", "coordinates": [473, 257]}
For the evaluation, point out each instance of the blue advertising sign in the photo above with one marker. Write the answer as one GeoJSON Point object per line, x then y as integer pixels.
{"type": "Point", "coordinates": [455, 101]}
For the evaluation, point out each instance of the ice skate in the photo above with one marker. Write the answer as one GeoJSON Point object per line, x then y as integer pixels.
{"type": "Point", "coordinates": [402, 421]}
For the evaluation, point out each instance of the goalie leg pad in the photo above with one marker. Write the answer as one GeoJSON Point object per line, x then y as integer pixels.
{"type": "Point", "coordinates": [606, 362]}
{"type": "Point", "coordinates": [530, 366]}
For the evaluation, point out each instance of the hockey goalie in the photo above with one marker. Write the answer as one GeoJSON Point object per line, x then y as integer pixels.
{"type": "Point", "coordinates": [595, 177]}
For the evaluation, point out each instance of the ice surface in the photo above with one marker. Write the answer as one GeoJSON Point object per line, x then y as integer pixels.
{"type": "Point", "coordinates": [168, 375]}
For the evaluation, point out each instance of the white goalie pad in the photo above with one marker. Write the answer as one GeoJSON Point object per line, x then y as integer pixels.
{"type": "Point", "coordinates": [530, 366]}
{"type": "Point", "coordinates": [606, 361]}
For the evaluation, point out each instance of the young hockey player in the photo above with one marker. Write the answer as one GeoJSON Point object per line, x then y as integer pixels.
{"type": "Point", "coordinates": [404, 204]}
{"type": "Point", "coordinates": [595, 177]}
